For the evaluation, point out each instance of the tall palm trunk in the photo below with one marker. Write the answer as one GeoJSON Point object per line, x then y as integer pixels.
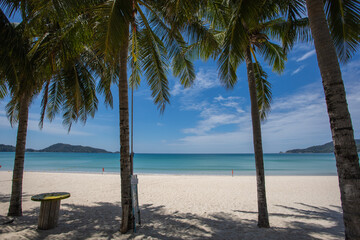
{"type": "Point", "coordinates": [15, 208]}
{"type": "Point", "coordinates": [125, 163]}
{"type": "Point", "coordinates": [263, 218]}
{"type": "Point", "coordinates": [347, 160]}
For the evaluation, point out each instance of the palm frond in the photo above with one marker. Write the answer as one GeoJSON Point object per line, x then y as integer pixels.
{"type": "Point", "coordinates": [343, 19]}
{"type": "Point", "coordinates": [135, 61]}
{"type": "Point", "coordinates": [79, 88]}
{"type": "Point", "coordinates": [176, 48]}
{"type": "Point", "coordinates": [198, 32]}
{"type": "Point", "coordinates": [104, 87]}
{"type": "Point", "coordinates": [274, 55]}
{"type": "Point", "coordinates": [290, 32]}
{"type": "Point", "coordinates": [15, 67]}
{"type": "Point", "coordinates": [12, 111]}
{"type": "Point", "coordinates": [113, 17]}
{"type": "Point", "coordinates": [292, 9]}
{"type": "Point", "coordinates": [55, 97]}
{"type": "Point", "coordinates": [44, 103]}
{"type": "Point", "coordinates": [183, 68]}
{"type": "Point", "coordinates": [227, 67]}
{"type": "Point", "coordinates": [3, 88]}
{"type": "Point", "coordinates": [216, 12]}
{"type": "Point", "coordinates": [263, 90]}
{"type": "Point", "coordinates": [235, 41]}
{"type": "Point", "coordinates": [13, 49]}
{"type": "Point", "coordinates": [9, 75]}
{"type": "Point", "coordinates": [154, 63]}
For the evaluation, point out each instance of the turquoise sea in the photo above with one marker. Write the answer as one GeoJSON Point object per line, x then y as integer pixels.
{"type": "Point", "coordinates": [198, 164]}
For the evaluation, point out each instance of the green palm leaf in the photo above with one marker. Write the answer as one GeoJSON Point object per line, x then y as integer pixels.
{"type": "Point", "coordinates": [274, 55]}
{"type": "Point", "coordinates": [13, 56]}
{"type": "Point", "coordinates": [111, 20]}
{"type": "Point", "coordinates": [12, 111]}
{"type": "Point", "coordinates": [44, 103]}
{"type": "Point", "coordinates": [289, 32]}
{"type": "Point", "coordinates": [3, 88]}
{"type": "Point", "coordinates": [263, 91]}
{"type": "Point", "coordinates": [79, 89]}
{"type": "Point", "coordinates": [198, 32]}
{"type": "Point", "coordinates": [154, 63]}
{"type": "Point", "coordinates": [232, 52]}
{"type": "Point", "coordinates": [343, 19]}
{"type": "Point", "coordinates": [104, 85]}
{"type": "Point", "coordinates": [176, 48]}
{"type": "Point", "coordinates": [55, 98]}
{"type": "Point", "coordinates": [135, 62]}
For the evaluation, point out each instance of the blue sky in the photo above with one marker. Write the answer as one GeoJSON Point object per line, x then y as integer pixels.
{"type": "Point", "coordinates": [207, 118]}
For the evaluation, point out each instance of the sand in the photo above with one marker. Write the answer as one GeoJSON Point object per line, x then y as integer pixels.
{"type": "Point", "coordinates": [179, 207]}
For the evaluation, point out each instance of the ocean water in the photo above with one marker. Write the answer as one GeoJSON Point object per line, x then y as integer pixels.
{"type": "Point", "coordinates": [198, 164]}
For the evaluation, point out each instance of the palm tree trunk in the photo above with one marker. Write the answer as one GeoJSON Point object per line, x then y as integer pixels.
{"type": "Point", "coordinates": [15, 208]}
{"type": "Point", "coordinates": [125, 163]}
{"type": "Point", "coordinates": [347, 159]}
{"type": "Point", "coordinates": [263, 218]}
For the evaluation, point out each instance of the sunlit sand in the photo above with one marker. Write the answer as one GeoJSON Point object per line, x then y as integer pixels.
{"type": "Point", "coordinates": [180, 207]}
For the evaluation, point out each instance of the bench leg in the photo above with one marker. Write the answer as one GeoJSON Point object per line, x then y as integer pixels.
{"type": "Point", "coordinates": [49, 214]}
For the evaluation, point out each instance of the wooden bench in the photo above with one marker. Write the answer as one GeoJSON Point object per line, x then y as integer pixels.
{"type": "Point", "coordinates": [49, 208]}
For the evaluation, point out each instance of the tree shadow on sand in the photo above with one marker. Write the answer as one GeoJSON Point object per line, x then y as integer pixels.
{"type": "Point", "coordinates": [5, 198]}
{"type": "Point", "coordinates": [304, 220]}
{"type": "Point", "coordinates": [102, 221]}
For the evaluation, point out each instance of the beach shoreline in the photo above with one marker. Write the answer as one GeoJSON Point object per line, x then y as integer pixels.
{"type": "Point", "coordinates": [238, 173]}
{"type": "Point", "coordinates": [180, 207]}
{"type": "Point", "coordinates": [178, 164]}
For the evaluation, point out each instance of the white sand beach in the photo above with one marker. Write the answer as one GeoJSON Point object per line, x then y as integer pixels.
{"type": "Point", "coordinates": [179, 207]}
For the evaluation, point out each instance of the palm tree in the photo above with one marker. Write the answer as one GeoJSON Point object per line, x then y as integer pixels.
{"type": "Point", "coordinates": [14, 54]}
{"type": "Point", "coordinates": [246, 35]}
{"type": "Point", "coordinates": [25, 69]}
{"type": "Point", "coordinates": [148, 36]}
{"type": "Point", "coordinates": [335, 30]}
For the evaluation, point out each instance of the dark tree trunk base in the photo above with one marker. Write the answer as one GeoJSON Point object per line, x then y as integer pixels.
{"type": "Point", "coordinates": [15, 211]}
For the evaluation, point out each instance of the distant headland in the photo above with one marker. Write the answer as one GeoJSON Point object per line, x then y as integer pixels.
{"type": "Point", "coordinates": [325, 148]}
{"type": "Point", "coordinates": [59, 147]}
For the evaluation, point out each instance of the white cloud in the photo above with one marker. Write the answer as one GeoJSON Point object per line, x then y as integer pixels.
{"type": "Point", "coordinates": [176, 90]}
{"type": "Point", "coordinates": [303, 98]}
{"type": "Point", "coordinates": [205, 79]}
{"type": "Point", "coordinates": [218, 113]}
{"type": "Point", "coordinates": [231, 102]}
{"type": "Point", "coordinates": [306, 56]}
{"type": "Point", "coordinates": [212, 121]}
{"type": "Point", "coordinates": [191, 104]}
{"type": "Point", "coordinates": [297, 70]}
{"type": "Point", "coordinates": [296, 121]}
{"type": "Point", "coordinates": [221, 98]}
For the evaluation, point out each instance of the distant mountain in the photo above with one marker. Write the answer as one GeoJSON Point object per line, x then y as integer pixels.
{"type": "Point", "coordinates": [6, 148]}
{"type": "Point", "coordinates": [326, 148]}
{"type": "Point", "coordinates": [59, 147]}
